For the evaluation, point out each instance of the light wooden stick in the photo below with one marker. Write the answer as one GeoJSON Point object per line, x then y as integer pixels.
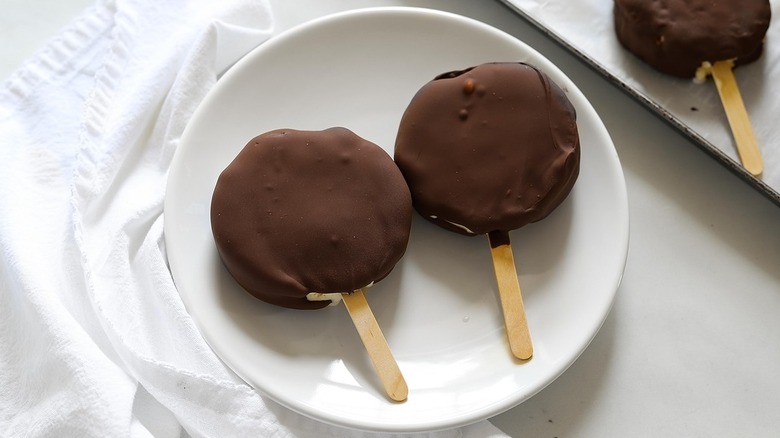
{"type": "Point", "coordinates": [511, 297]}
{"type": "Point", "coordinates": [376, 345]}
{"type": "Point", "coordinates": [741, 129]}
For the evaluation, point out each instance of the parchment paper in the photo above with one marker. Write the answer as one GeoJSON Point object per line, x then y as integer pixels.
{"type": "Point", "coordinates": [586, 28]}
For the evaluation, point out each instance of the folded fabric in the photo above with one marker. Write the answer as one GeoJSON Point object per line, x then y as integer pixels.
{"type": "Point", "coordinates": [94, 338]}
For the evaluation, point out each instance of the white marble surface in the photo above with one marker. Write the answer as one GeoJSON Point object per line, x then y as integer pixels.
{"type": "Point", "coordinates": [692, 344]}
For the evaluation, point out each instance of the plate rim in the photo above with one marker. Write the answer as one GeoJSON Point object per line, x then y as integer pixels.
{"type": "Point", "coordinates": [497, 406]}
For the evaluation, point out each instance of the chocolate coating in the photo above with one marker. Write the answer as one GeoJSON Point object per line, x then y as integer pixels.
{"type": "Point", "coordinates": [490, 148]}
{"type": "Point", "coordinates": [310, 211]}
{"type": "Point", "coordinates": [677, 36]}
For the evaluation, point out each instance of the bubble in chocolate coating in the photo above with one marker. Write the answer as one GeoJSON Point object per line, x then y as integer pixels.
{"type": "Point", "coordinates": [310, 211]}
{"type": "Point", "coordinates": [490, 148]}
{"type": "Point", "coordinates": [677, 36]}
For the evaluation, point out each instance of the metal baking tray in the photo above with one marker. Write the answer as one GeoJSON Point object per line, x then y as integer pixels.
{"type": "Point", "coordinates": [585, 27]}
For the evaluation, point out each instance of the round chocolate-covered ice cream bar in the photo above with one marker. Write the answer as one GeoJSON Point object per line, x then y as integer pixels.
{"type": "Point", "coordinates": [678, 36]}
{"type": "Point", "coordinates": [490, 148]}
{"type": "Point", "coordinates": [301, 213]}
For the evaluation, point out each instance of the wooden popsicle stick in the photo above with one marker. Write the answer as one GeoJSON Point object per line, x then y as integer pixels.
{"type": "Point", "coordinates": [378, 351]}
{"type": "Point", "coordinates": [741, 129]}
{"type": "Point", "coordinates": [511, 298]}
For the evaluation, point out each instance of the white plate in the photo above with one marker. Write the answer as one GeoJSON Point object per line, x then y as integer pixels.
{"type": "Point", "coordinates": [438, 308]}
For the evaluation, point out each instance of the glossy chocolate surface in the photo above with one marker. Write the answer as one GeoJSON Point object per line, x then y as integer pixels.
{"type": "Point", "coordinates": [490, 148]}
{"type": "Point", "coordinates": [677, 36]}
{"type": "Point", "coordinates": [310, 211]}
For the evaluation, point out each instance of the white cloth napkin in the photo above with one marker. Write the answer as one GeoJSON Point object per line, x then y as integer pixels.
{"type": "Point", "coordinates": [94, 339]}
